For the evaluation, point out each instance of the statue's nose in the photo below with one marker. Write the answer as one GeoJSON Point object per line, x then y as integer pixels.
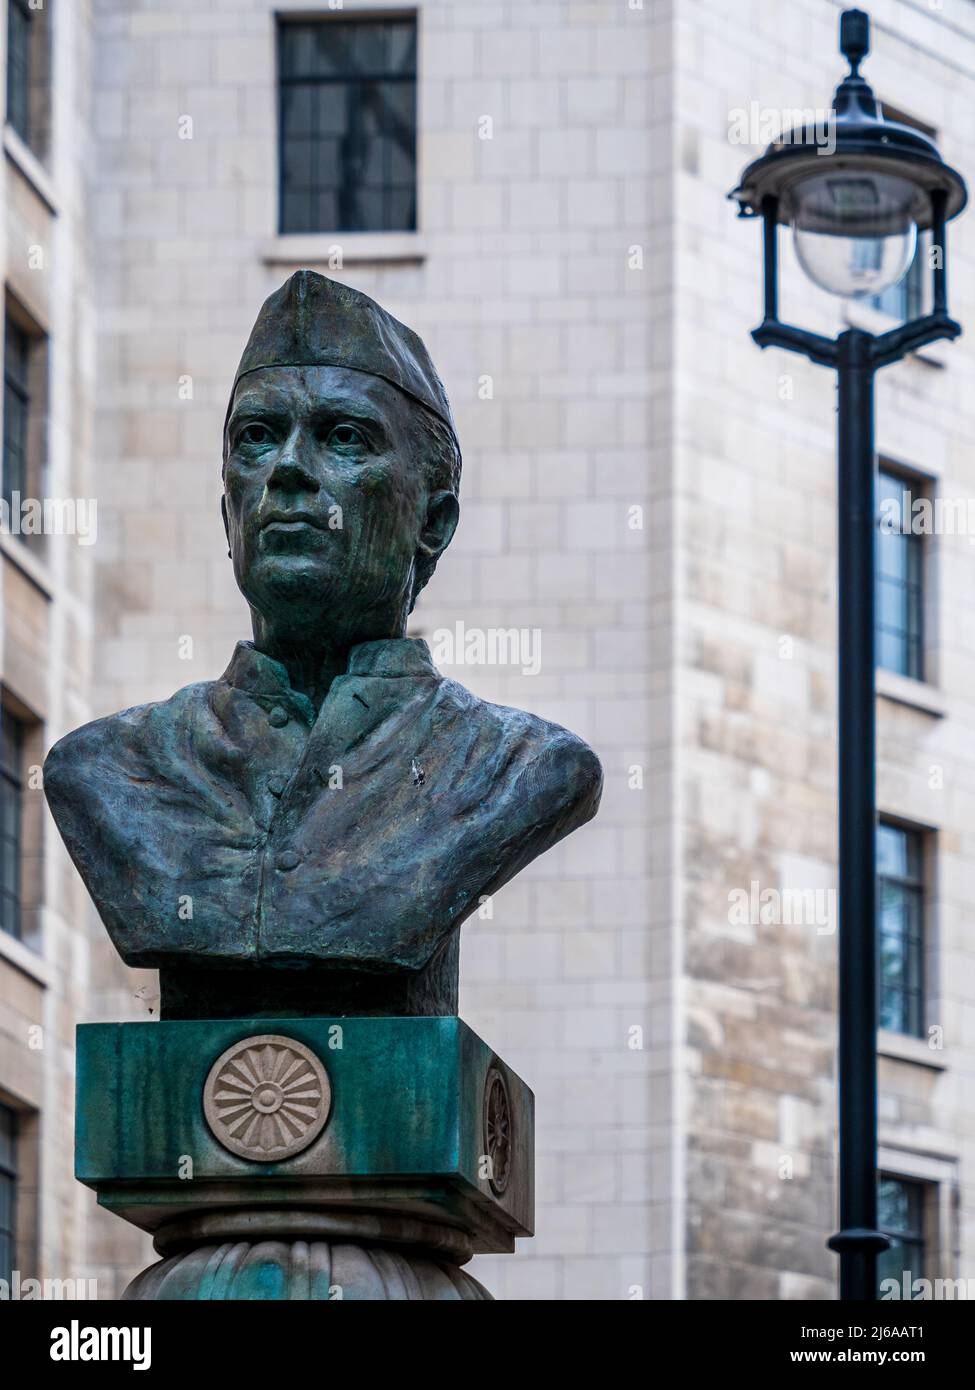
{"type": "Point", "coordinates": [292, 474]}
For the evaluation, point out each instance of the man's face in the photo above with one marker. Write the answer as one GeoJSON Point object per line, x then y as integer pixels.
{"type": "Point", "coordinates": [326, 501]}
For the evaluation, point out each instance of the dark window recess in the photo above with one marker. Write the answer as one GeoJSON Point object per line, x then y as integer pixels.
{"type": "Point", "coordinates": [19, 22]}
{"type": "Point", "coordinates": [905, 300]}
{"type": "Point", "coordinates": [900, 1207]}
{"type": "Point", "coordinates": [11, 798]}
{"type": "Point", "coordinates": [900, 929]}
{"type": "Point", "coordinates": [347, 125]}
{"type": "Point", "coordinates": [8, 1191]}
{"type": "Point", "coordinates": [900, 588]}
{"type": "Point", "coordinates": [16, 408]}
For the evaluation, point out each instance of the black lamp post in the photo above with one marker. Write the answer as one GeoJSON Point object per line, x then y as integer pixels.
{"type": "Point", "coordinates": [856, 194]}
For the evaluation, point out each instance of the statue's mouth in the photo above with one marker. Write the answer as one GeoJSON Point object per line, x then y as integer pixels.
{"type": "Point", "coordinates": [291, 521]}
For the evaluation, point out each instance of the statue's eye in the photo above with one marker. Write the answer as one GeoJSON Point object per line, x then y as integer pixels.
{"type": "Point", "coordinates": [346, 437]}
{"type": "Point", "coordinates": [255, 434]}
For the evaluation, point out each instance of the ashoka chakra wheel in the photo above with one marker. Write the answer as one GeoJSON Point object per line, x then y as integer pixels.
{"type": "Point", "coordinates": [497, 1130]}
{"type": "Point", "coordinates": [267, 1098]}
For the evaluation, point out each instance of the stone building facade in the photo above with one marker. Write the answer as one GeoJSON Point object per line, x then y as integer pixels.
{"type": "Point", "coordinates": [645, 495]}
{"type": "Point", "coordinates": [45, 640]}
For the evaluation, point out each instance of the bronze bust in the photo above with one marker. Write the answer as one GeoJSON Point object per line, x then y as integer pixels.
{"type": "Point", "coordinates": [307, 833]}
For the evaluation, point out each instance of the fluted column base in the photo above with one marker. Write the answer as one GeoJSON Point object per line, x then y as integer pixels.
{"type": "Point", "coordinates": [299, 1269]}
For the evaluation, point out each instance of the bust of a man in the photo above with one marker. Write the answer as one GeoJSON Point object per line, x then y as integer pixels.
{"type": "Point", "coordinates": [308, 832]}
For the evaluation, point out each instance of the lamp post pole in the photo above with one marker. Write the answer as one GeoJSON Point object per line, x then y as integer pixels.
{"type": "Point", "coordinates": [857, 1241]}
{"type": "Point", "coordinates": [856, 208]}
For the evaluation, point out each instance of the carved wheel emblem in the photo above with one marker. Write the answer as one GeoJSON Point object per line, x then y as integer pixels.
{"type": "Point", "coordinates": [267, 1098]}
{"type": "Point", "coordinates": [497, 1130]}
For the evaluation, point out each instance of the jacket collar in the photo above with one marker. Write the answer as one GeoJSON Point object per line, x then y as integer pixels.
{"type": "Point", "coordinates": [393, 657]}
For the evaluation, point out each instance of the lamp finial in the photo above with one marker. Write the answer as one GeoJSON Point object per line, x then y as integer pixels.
{"type": "Point", "coordinates": [854, 38]}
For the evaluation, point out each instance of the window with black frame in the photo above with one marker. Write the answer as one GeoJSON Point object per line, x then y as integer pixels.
{"type": "Point", "coordinates": [900, 580]}
{"type": "Point", "coordinates": [906, 299]}
{"type": "Point", "coordinates": [16, 408]}
{"type": "Point", "coordinates": [19, 23]}
{"type": "Point", "coordinates": [900, 1215]}
{"type": "Point", "coordinates": [347, 125]}
{"type": "Point", "coordinates": [11, 811]}
{"type": "Point", "coordinates": [8, 1191]}
{"type": "Point", "coordinates": [900, 929]}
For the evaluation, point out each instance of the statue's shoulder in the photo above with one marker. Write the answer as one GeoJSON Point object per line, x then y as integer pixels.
{"type": "Point", "coordinates": [536, 757]}
{"type": "Point", "coordinates": [117, 741]}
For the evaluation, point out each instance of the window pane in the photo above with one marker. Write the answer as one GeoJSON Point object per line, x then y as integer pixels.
{"type": "Point", "coordinates": [402, 208]}
{"type": "Point", "coordinates": [327, 215]}
{"type": "Point", "coordinates": [900, 1208]}
{"type": "Point", "coordinates": [894, 299]}
{"type": "Point", "coordinates": [297, 49]}
{"type": "Point", "coordinates": [899, 597]}
{"type": "Point", "coordinates": [19, 17]}
{"type": "Point", "coordinates": [9, 915]}
{"type": "Point", "coordinates": [349, 85]}
{"type": "Point", "coordinates": [8, 1134]}
{"type": "Point", "coordinates": [8, 1190]}
{"type": "Point", "coordinates": [905, 300]}
{"type": "Point", "coordinates": [900, 930]}
{"type": "Point", "coordinates": [892, 557]}
{"type": "Point", "coordinates": [16, 407]}
{"type": "Point", "coordinates": [401, 168]}
{"type": "Point", "coordinates": [332, 116]}
{"type": "Point", "coordinates": [334, 49]}
{"type": "Point", "coordinates": [401, 47]}
{"type": "Point", "coordinates": [16, 354]}
{"type": "Point", "coordinates": [369, 204]}
{"type": "Point", "coordinates": [299, 162]}
{"type": "Point", "coordinates": [10, 822]}
{"type": "Point", "coordinates": [370, 48]}
{"type": "Point", "coordinates": [372, 162]}
{"type": "Point", "coordinates": [296, 110]}
{"type": "Point", "coordinates": [891, 849]}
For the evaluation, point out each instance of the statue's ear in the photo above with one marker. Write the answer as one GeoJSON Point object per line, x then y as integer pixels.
{"type": "Point", "coordinates": [226, 524]}
{"type": "Point", "coordinates": [443, 512]}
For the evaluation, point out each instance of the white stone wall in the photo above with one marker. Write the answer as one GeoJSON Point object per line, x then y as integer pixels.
{"type": "Point", "coordinates": [45, 609]}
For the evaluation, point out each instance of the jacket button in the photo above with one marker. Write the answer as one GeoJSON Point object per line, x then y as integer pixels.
{"type": "Point", "coordinates": [278, 717]}
{"type": "Point", "coordinates": [275, 786]}
{"type": "Point", "coordinates": [288, 860]}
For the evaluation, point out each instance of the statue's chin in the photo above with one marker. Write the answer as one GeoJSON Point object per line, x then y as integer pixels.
{"type": "Point", "coordinates": [300, 593]}
{"type": "Point", "coordinates": [290, 587]}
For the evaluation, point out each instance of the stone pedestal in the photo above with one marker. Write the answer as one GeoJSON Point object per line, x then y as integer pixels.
{"type": "Point", "coordinates": [317, 1158]}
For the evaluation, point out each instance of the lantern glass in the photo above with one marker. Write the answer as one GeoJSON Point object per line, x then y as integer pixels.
{"type": "Point", "coordinates": [854, 231]}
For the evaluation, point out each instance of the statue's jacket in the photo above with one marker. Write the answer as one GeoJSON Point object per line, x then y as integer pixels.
{"type": "Point", "coordinates": [230, 824]}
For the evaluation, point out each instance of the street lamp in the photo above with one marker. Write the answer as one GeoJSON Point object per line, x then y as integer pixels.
{"type": "Point", "coordinates": [855, 192]}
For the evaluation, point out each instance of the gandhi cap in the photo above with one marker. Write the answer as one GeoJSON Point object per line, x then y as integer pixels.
{"type": "Point", "coordinates": [312, 321]}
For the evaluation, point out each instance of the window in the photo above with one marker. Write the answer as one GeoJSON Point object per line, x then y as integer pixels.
{"type": "Point", "coordinates": [900, 568]}
{"type": "Point", "coordinates": [900, 1215]}
{"type": "Point", "coordinates": [347, 125]}
{"type": "Point", "coordinates": [25, 366]}
{"type": "Point", "coordinates": [16, 408]}
{"type": "Point", "coordinates": [900, 929]}
{"type": "Point", "coordinates": [11, 815]}
{"type": "Point", "coordinates": [8, 1190]}
{"type": "Point", "coordinates": [19, 17]}
{"type": "Point", "coordinates": [28, 73]}
{"type": "Point", "coordinates": [906, 299]}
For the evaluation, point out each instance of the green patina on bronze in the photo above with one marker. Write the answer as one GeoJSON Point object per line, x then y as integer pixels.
{"type": "Point", "coordinates": [306, 834]}
{"type": "Point", "coordinates": [406, 1127]}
